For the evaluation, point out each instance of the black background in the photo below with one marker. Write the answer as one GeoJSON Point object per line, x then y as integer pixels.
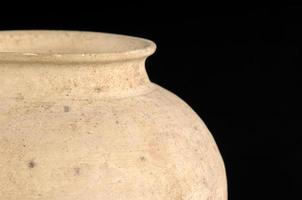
{"type": "Point", "coordinates": [236, 65]}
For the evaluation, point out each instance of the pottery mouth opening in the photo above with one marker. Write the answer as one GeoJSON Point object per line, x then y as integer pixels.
{"type": "Point", "coordinates": [71, 46]}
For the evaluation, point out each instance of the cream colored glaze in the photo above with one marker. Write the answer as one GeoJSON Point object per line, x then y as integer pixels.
{"type": "Point", "coordinates": [80, 120]}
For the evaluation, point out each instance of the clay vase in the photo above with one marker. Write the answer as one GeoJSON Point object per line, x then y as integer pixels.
{"type": "Point", "coordinates": [80, 120]}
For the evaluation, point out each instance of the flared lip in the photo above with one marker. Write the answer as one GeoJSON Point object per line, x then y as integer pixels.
{"type": "Point", "coordinates": [122, 47]}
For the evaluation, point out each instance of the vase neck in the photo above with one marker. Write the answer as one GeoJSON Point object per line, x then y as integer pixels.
{"type": "Point", "coordinates": [72, 81]}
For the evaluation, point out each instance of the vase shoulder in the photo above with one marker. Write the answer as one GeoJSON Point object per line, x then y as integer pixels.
{"type": "Point", "coordinates": [153, 142]}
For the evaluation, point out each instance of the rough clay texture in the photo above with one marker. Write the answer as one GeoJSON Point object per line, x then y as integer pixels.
{"type": "Point", "coordinates": [101, 131]}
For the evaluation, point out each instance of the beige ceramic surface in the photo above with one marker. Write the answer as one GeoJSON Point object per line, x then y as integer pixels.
{"type": "Point", "coordinates": [80, 120]}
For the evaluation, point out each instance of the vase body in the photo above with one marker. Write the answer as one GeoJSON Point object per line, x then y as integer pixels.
{"type": "Point", "coordinates": [91, 126]}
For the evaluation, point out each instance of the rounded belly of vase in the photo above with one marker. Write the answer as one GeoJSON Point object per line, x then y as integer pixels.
{"type": "Point", "coordinates": [151, 146]}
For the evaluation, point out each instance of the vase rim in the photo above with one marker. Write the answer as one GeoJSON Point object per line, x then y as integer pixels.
{"type": "Point", "coordinates": [61, 46]}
